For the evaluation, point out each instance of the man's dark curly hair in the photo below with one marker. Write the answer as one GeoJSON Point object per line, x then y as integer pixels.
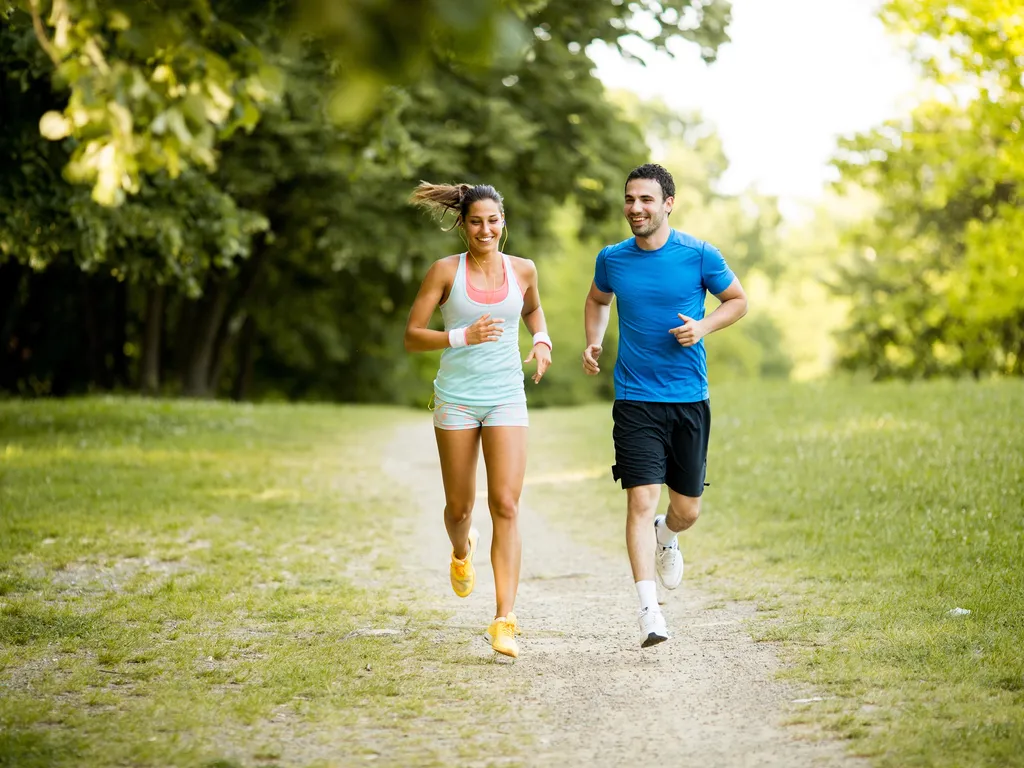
{"type": "Point", "coordinates": [656, 173]}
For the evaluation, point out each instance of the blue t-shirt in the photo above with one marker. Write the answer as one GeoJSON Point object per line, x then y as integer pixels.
{"type": "Point", "coordinates": [651, 288]}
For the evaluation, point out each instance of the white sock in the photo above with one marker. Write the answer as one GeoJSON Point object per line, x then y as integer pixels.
{"type": "Point", "coordinates": [665, 534]}
{"type": "Point", "coordinates": [647, 591]}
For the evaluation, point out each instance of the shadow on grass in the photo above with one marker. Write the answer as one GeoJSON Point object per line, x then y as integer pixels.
{"type": "Point", "coordinates": [37, 749]}
{"type": "Point", "coordinates": [23, 624]}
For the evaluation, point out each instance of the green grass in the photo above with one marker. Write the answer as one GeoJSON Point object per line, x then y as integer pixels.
{"type": "Point", "coordinates": [856, 516]}
{"type": "Point", "coordinates": [178, 581]}
{"type": "Point", "coordinates": [177, 587]}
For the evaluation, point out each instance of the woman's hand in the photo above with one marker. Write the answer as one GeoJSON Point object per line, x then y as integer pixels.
{"type": "Point", "coordinates": [483, 330]}
{"type": "Point", "coordinates": [542, 354]}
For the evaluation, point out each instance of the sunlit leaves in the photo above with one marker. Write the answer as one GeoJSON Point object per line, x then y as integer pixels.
{"type": "Point", "coordinates": [54, 126]}
{"type": "Point", "coordinates": [151, 87]}
{"type": "Point", "coordinates": [942, 290]}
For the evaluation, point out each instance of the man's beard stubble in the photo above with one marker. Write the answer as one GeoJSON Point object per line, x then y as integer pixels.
{"type": "Point", "coordinates": [650, 229]}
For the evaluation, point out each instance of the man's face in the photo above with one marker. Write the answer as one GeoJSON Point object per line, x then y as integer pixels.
{"type": "Point", "coordinates": [645, 208]}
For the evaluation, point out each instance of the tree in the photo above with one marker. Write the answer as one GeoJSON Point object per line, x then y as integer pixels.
{"type": "Point", "coordinates": [152, 86]}
{"type": "Point", "coordinates": [279, 258]}
{"type": "Point", "coordinates": [170, 234]}
{"type": "Point", "coordinates": [938, 283]}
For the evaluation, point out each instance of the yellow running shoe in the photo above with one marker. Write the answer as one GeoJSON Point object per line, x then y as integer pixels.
{"type": "Point", "coordinates": [503, 631]}
{"type": "Point", "coordinates": [462, 572]}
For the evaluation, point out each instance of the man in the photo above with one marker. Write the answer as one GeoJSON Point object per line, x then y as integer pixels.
{"type": "Point", "coordinates": [662, 414]}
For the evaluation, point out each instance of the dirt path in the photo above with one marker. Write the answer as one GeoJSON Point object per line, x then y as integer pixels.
{"type": "Point", "coordinates": [582, 687]}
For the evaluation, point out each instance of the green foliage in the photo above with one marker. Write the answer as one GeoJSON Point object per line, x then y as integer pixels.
{"type": "Point", "coordinates": [278, 260]}
{"type": "Point", "coordinates": [378, 43]}
{"type": "Point", "coordinates": [565, 271]}
{"type": "Point", "coordinates": [348, 295]}
{"type": "Point", "coordinates": [175, 230]}
{"type": "Point", "coordinates": [751, 350]}
{"type": "Point", "coordinates": [937, 283]}
{"type": "Point", "coordinates": [152, 87]}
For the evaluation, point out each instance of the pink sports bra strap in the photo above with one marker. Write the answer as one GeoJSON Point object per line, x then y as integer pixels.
{"type": "Point", "coordinates": [499, 294]}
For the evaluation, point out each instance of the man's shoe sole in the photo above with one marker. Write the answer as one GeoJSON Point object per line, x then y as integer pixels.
{"type": "Point", "coordinates": [653, 639]}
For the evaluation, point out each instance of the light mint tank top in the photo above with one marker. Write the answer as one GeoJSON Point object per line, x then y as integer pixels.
{"type": "Point", "coordinates": [489, 373]}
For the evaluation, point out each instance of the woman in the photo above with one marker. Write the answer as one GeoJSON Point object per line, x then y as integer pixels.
{"type": "Point", "coordinates": [479, 394]}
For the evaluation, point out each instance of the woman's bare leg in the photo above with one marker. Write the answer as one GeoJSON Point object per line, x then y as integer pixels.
{"type": "Point", "coordinates": [458, 450]}
{"type": "Point", "coordinates": [505, 459]}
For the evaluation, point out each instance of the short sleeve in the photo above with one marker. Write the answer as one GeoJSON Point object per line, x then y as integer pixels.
{"type": "Point", "coordinates": [714, 272]}
{"type": "Point", "coordinates": [601, 273]}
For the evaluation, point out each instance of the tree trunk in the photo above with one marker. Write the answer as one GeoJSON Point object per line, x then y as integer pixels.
{"type": "Point", "coordinates": [10, 285]}
{"type": "Point", "coordinates": [184, 331]}
{"type": "Point", "coordinates": [11, 278]}
{"type": "Point", "coordinates": [230, 325]}
{"type": "Point", "coordinates": [226, 336]}
{"type": "Point", "coordinates": [246, 359]}
{"type": "Point", "coordinates": [93, 344]}
{"type": "Point", "coordinates": [120, 334]}
{"type": "Point", "coordinates": [149, 371]}
{"type": "Point", "coordinates": [196, 379]}
{"type": "Point", "coordinates": [1018, 367]}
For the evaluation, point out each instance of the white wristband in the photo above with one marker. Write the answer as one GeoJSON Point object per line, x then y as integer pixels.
{"type": "Point", "coordinates": [457, 337]}
{"type": "Point", "coordinates": [542, 338]}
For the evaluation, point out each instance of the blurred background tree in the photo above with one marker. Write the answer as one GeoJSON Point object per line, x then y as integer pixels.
{"type": "Point", "coordinates": [935, 276]}
{"type": "Point", "coordinates": [209, 198]}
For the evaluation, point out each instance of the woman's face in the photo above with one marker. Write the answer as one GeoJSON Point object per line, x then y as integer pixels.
{"type": "Point", "coordinates": [483, 225]}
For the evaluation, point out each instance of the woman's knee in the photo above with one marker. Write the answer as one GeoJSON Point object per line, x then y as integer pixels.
{"type": "Point", "coordinates": [458, 510]}
{"type": "Point", "coordinates": [503, 505]}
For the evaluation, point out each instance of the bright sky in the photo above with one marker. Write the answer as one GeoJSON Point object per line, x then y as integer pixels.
{"type": "Point", "coordinates": [796, 75]}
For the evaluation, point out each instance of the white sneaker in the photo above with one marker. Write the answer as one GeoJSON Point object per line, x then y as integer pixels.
{"type": "Point", "coordinates": [652, 627]}
{"type": "Point", "coordinates": [668, 561]}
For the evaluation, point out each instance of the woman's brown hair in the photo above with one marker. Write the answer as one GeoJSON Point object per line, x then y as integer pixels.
{"type": "Point", "coordinates": [442, 198]}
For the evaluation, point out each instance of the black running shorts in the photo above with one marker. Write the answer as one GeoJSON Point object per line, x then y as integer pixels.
{"type": "Point", "coordinates": [659, 443]}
